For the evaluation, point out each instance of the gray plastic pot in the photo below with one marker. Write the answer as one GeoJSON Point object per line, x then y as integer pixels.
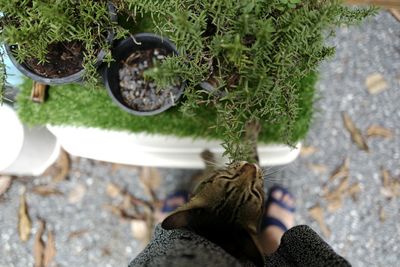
{"type": "Point", "coordinates": [122, 51]}
{"type": "Point", "coordinates": [74, 78]}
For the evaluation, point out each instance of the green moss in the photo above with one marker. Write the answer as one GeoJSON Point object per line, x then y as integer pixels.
{"type": "Point", "coordinates": [74, 105]}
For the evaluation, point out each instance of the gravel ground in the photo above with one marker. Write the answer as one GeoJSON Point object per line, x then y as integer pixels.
{"type": "Point", "coordinates": [357, 232]}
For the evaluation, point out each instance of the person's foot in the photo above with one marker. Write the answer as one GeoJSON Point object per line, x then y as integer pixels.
{"type": "Point", "coordinates": [278, 217]}
{"type": "Point", "coordinates": [171, 203]}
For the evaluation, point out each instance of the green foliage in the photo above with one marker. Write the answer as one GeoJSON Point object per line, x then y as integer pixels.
{"type": "Point", "coordinates": [35, 24]}
{"type": "Point", "coordinates": [256, 52]}
{"type": "Point", "coordinates": [288, 4]}
{"type": "Point", "coordinates": [75, 105]}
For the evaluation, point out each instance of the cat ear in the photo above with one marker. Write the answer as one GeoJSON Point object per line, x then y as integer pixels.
{"type": "Point", "coordinates": [180, 217]}
{"type": "Point", "coordinates": [253, 250]}
{"type": "Point", "coordinates": [176, 220]}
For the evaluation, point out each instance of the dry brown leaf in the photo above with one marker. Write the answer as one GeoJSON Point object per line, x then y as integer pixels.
{"type": "Point", "coordinates": [331, 196]}
{"type": "Point", "coordinates": [355, 133]}
{"type": "Point", "coordinates": [306, 151]}
{"type": "Point", "coordinates": [77, 233]}
{"type": "Point", "coordinates": [120, 212]}
{"type": "Point", "coordinates": [354, 190]}
{"type": "Point", "coordinates": [24, 221]}
{"type": "Point", "coordinates": [341, 171]}
{"type": "Point", "coordinates": [140, 202]}
{"type": "Point", "coordinates": [50, 249]}
{"type": "Point", "coordinates": [343, 185]}
{"type": "Point", "coordinates": [382, 214]}
{"type": "Point", "coordinates": [339, 191]}
{"type": "Point", "coordinates": [151, 180]}
{"type": "Point", "coordinates": [386, 177]}
{"type": "Point", "coordinates": [335, 197]}
{"type": "Point", "coordinates": [5, 183]}
{"type": "Point", "coordinates": [379, 131]}
{"type": "Point", "coordinates": [63, 165]}
{"type": "Point", "coordinates": [386, 192]}
{"type": "Point", "coordinates": [335, 204]}
{"type": "Point", "coordinates": [317, 168]}
{"type": "Point", "coordinates": [46, 190]}
{"type": "Point", "coordinates": [391, 186]}
{"type": "Point", "coordinates": [127, 202]}
{"type": "Point", "coordinates": [113, 190]}
{"type": "Point", "coordinates": [140, 231]}
{"type": "Point", "coordinates": [116, 166]}
{"type": "Point", "coordinates": [317, 214]}
{"type": "Point", "coordinates": [395, 13]}
{"type": "Point", "coordinates": [60, 169]}
{"type": "Point", "coordinates": [38, 246]}
{"type": "Point", "coordinates": [114, 210]}
{"type": "Point", "coordinates": [396, 188]}
{"type": "Point", "coordinates": [76, 194]}
{"type": "Point", "coordinates": [376, 83]}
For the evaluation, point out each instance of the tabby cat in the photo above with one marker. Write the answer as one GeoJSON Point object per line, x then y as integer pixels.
{"type": "Point", "coordinates": [227, 206]}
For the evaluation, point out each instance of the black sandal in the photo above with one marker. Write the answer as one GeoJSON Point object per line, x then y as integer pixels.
{"type": "Point", "coordinates": [268, 220]}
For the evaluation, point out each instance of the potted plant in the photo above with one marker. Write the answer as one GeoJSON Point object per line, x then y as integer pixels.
{"type": "Point", "coordinates": [125, 78]}
{"type": "Point", "coordinates": [59, 41]}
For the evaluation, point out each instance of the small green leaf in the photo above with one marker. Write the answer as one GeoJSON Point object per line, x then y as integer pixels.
{"type": "Point", "coordinates": [248, 8]}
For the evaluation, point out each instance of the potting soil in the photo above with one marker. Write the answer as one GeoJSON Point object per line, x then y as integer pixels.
{"type": "Point", "coordinates": [63, 59]}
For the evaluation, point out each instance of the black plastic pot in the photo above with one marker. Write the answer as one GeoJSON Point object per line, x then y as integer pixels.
{"type": "Point", "coordinates": [122, 51]}
{"type": "Point", "coordinates": [74, 78]}
{"type": "Point", "coordinates": [10, 95]}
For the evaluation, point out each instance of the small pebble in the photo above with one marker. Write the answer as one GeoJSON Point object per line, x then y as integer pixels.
{"type": "Point", "coordinates": [140, 94]}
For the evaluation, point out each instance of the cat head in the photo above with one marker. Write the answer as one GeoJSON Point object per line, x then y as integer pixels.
{"type": "Point", "coordinates": [226, 208]}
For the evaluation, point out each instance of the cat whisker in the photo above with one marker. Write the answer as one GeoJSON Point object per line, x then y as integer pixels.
{"type": "Point", "coordinates": [211, 163]}
{"type": "Point", "coordinates": [275, 171]}
{"type": "Point", "coordinates": [273, 179]}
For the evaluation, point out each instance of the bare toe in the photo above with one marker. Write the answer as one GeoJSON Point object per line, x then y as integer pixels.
{"type": "Point", "coordinates": [288, 200]}
{"type": "Point", "coordinates": [277, 194]}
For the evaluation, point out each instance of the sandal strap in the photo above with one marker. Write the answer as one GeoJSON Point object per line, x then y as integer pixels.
{"type": "Point", "coordinates": [269, 221]}
{"type": "Point", "coordinates": [282, 189]}
{"type": "Point", "coordinates": [281, 204]}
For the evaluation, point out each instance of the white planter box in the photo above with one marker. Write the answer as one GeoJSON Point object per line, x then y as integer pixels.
{"type": "Point", "coordinates": [23, 150]}
{"type": "Point", "coordinates": [154, 150]}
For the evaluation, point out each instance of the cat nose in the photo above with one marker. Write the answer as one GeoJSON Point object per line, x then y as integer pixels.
{"type": "Point", "coordinates": [249, 169]}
